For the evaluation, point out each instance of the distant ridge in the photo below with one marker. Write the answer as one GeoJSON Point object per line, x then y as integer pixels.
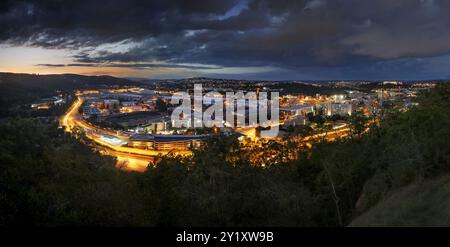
{"type": "Point", "coordinates": [60, 81]}
{"type": "Point", "coordinates": [25, 88]}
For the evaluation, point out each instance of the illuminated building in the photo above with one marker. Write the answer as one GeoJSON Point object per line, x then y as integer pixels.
{"type": "Point", "coordinates": [165, 142]}
{"type": "Point", "coordinates": [40, 106]}
{"type": "Point", "coordinates": [295, 121]}
{"type": "Point", "coordinates": [110, 103]}
{"type": "Point", "coordinates": [337, 108]}
{"type": "Point", "coordinates": [298, 110]}
{"type": "Point", "coordinates": [89, 111]}
{"type": "Point", "coordinates": [133, 108]}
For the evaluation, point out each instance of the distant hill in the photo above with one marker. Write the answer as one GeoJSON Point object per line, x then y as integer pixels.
{"type": "Point", "coordinates": [25, 88]}
{"type": "Point", "coordinates": [59, 82]}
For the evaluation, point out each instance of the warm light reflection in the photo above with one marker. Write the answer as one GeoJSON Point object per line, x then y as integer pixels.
{"type": "Point", "coordinates": [132, 164]}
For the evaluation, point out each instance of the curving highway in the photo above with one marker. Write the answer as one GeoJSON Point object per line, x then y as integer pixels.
{"type": "Point", "coordinates": [73, 120]}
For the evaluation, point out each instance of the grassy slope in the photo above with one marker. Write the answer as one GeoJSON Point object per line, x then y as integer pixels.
{"type": "Point", "coordinates": [419, 204]}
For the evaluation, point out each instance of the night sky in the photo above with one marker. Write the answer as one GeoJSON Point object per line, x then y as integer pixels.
{"type": "Point", "coordinates": [264, 40]}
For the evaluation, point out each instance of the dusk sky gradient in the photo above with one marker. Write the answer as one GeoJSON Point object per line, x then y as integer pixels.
{"type": "Point", "coordinates": [248, 39]}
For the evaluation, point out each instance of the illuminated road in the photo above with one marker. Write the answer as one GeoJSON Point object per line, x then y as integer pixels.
{"type": "Point", "coordinates": [73, 120]}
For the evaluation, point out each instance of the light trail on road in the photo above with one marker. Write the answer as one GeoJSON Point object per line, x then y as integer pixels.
{"type": "Point", "coordinates": [72, 119]}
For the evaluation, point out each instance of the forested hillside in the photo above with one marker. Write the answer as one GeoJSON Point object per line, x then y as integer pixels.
{"type": "Point", "coordinates": [16, 89]}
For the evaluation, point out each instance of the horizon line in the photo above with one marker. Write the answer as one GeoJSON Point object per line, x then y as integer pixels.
{"type": "Point", "coordinates": [218, 78]}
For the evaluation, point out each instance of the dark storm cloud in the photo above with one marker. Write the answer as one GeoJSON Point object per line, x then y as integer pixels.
{"type": "Point", "coordinates": [358, 35]}
{"type": "Point", "coordinates": [61, 23]}
{"type": "Point", "coordinates": [50, 65]}
{"type": "Point", "coordinates": [131, 65]}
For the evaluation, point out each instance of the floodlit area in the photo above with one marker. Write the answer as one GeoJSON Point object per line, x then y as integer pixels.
{"type": "Point", "coordinates": [113, 140]}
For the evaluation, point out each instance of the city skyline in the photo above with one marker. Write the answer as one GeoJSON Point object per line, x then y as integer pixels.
{"type": "Point", "coordinates": [249, 39]}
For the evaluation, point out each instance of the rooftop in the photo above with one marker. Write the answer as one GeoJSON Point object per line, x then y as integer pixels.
{"type": "Point", "coordinates": [165, 138]}
{"type": "Point", "coordinates": [297, 107]}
